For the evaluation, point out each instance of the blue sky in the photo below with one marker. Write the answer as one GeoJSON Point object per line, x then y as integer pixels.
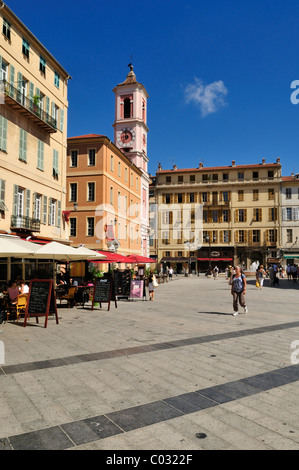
{"type": "Point", "coordinates": [218, 74]}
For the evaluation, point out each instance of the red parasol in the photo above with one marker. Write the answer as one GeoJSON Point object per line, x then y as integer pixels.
{"type": "Point", "coordinates": [139, 259]}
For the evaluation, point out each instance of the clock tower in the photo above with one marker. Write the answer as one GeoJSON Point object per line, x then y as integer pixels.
{"type": "Point", "coordinates": [130, 136]}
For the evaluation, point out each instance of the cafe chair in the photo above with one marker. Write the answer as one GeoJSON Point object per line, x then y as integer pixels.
{"type": "Point", "coordinates": [70, 297]}
{"type": "Point", "coordinates": [21, 305]}
{"type": "Point", "coordinates": [11, 310]}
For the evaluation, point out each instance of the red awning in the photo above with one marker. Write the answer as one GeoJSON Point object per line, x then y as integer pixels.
{"type": "Point", "coordinates": [215, 259]}
{"type": "Point", "coordinates": [111, 258]}
{"type": "Point", "coordinates": [139, 259]}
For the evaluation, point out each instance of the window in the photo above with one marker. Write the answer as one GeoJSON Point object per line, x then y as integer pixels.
{"type": "Point", "coordinates": [6, 28]}
{"type": "Point", "coordinates": [256, 236]}
{"type": "Point", "coordinates": [215, 177]}
{"type": "Point", "coordinates": [74, 158]}
{"type": "Point", "coordinates": [191, 197]}
{"type": "Point", "coordinates": [90, 226]}
{"type": "Point", "coordinates": [241, 176]}
{"type": "Point", "coordinates": [225, 177]}
{"type": "Point", "coordinates": [73, 227]}
{"type": "Point", "coordinates": [257, 214]}
{"type": "Point", "coordinates": [3, 70]}
{"type": "Point", "coordinates": [288, 193]}
{"type": "Point", "coordinates": [119, 169]}
{"type": "Point", "coordinates": [111, 163]}
{"type": "Point", "coordinates": [255, 175]}
{"type": "Point", "coordinates": [167, 198]}
{"type": "Point", "coordinates": [37, 206]}
{"type": "Point", "coordinates": [90, 191]}
{"type": "Point", "coordinates": [111, 196]}
{"type": "Point", "coordinates": [45, 208]}
{"type": "Point", "coordinates": [270, 193]}
{"type": "Point", "coordinates": [180, 179]}
{"type": "Point", "coordinates": [40, 155]}
{"type": "Point", "coordinates": [225, 196]}
{"type": "Point", "coordinates": [225, 236]}
{"type": "Point", "coordinates": [126, 175]}
{"type": "Point", "coordinates": [127, 108]}
{"type": "Point", "coordinates": [288, 213]}
{"type": "Point", "coordinates": [42, 65]}
{"type": "Point", "coordinates": [56, 79]}
{"type": "Point", "coordinates": [132, 180]}
{"type": "Point", "coordinates": [225, 215]}
{"type": "Point", "coordinates": [240, 195]}
{"type": "Point", "coordinates": [55, 111]}
{"type": "Point", "coordinates": [255, 195]}
{"type": "Point", "coordinates": [272, 214]}
{"type": "Point", "coordinates": [204, 197]}
{"type": "Point", "coordinates": [168, 179]}
{"type": "Point", "coordinates": [52, 215]}
{"type": "Point", "coordinates": [192, 178]}
{"type": "Point", "coordinates": [91, 157]}
{"type": "Point", "coordinates": [289, 235]}
{"type": "Point", "coordinates": [205, 178]}
{"type": "Point", "coordinates": [241, 236]}
{"type": "Point", "coordinates": [73, 192]}
{"type": "Point", "coordinates": [205, 216]}
{"type": "Point", "coordinates": [20, 201]}
{"type": "Point", "coordinates": [25, 48]}
{"type": "Point", "coordinates": [137, 183]}
{"type": "Point", "coordinates": [3, 134]}
{"type": "Point", "coordinates": [270, 174]}
{"type": "Point", "coordinates": [23, 146]}
{"type": "Point", "coordinates": [215, 215]}
{"type": "Point", "coordinates": [241, 215]}
{"type": "Point", "coordinates": [180, 197]}
{"type": "Point", "coordinates": [272, 235]}
{"type": "Point", "coordinates": [2, 195]}
{"type": "Point", "coordinates": [55, 164]}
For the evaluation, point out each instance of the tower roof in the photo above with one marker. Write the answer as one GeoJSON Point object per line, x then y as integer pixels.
{"type": "Point", "coordinates": [131, 77]}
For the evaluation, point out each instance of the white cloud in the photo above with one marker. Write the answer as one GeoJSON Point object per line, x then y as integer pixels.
{"type": "Point", "coordinates": [208, 97]}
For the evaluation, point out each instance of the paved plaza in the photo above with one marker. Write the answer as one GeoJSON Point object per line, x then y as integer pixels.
{"type": "Point", "coordinates": [179, 373]}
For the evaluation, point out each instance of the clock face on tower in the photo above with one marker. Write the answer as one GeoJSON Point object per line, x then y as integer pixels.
{"type": "Point", "coordinates": [125, 137]}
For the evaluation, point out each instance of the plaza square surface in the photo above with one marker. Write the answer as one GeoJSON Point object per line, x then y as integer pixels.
{"type": "Point", "coordinates": [179, 373]}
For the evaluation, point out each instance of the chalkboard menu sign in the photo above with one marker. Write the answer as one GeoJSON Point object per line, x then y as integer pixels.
{"type": "Point", "coordinates": [41, 300]}
{"type": "Point", "coordinates": [122, 281]}
{"type": "Point", "coordinates": [102, 292]}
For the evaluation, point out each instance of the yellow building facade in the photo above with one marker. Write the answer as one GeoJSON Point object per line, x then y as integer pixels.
{"type": "Point", "coordinates": [103, 195]}
{"type": "Point", "coordinates": [33, 134]}
{"type": "Point", "coordinates": [215, 216]}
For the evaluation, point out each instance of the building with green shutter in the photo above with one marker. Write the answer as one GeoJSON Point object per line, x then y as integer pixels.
{"type": "Point", "coordinates": [33, 134]}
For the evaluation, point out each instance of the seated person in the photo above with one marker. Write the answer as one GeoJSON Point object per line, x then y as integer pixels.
{"type": "Point", "coordinates": [24, 289]}
{"type": "Point", "coordinates": [13, 292]}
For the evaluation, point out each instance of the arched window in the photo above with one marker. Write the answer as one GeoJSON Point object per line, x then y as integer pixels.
{"type": "Point", "coordinates": [127, 108]}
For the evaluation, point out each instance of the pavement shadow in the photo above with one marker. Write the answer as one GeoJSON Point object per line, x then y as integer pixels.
{"type": "Point", "coordinates": [215, 313]}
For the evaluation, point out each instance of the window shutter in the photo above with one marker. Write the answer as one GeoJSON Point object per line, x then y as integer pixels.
{"type": "Point", "coordinates": [61, 120]}
{"type": "Point", "coordinates": [48, 106]}
{"type": "Point", "coordinates": [27, 210]}
{"type": "Point", "coordinates": [250, 236]}
{"type": "Point", "coordinates": [245, 235]}
{"type": "Point", "coordinates": [50, 211]}
{"type": "Point", "coordinates": [45, 210]}
{"type": "Point", "coordinates": [12, 79]}
{"type": "Point", "coordinates": [284, 213]}
{"type": "Point", "coordinates": [266, 236]}
{"type": "Point", "coordinates": [19, 86]}
{"type": "Point", "coordinates": [236, 236]}
{"type": "Point", "coordinates": [58, 213]}
{"type": "Point", "coordinates": [3, 133]}
{"type": "Point", "coordinates": [15, 199]}
{"type": "Point", "coordinates": [236, 215]}
{"type": "Point", "coordinates": [221, 236]}
{"type": "Point", "coordinates": [260, 214]}
{"type": "Point", "coordinates": [31, 91]}
{"type": "Point", "coordinates": [2, 190]}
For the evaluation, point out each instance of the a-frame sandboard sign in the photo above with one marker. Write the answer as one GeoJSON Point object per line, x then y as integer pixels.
{"type": "Point", "coordinates": [41, 300]}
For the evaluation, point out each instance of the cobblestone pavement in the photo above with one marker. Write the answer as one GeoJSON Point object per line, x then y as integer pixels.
{"type": "Point", "coordinates": [179, 373]}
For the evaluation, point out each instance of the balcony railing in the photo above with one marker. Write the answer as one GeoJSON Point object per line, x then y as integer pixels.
{"type": "Point", "coordinates": [17, 100]}
{"type": "Point", "coordinates": [25, 223]}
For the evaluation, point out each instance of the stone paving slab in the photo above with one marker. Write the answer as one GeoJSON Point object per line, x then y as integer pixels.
{"type": "Point", "coordinates": [155, 375]}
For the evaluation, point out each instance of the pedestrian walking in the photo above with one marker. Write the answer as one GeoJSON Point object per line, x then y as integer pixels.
{"type": "Point", "coordinates": [294, 272]}
{"type": "Point", "coordinates": [215, 273]}
{"type": "Point", "coordinates": [238, 290]}
{"type": "Point", "coordinates": [260, 276]}
{"type": "Point", "coordinates": [152, 282]}
{"type": "Point", "coordinates": [289, 274]}
{"type": "Point", "coordinates": [170, 273]}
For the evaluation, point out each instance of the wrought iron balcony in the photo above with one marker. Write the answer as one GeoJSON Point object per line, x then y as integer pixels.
{"type": "Point", "coordinates": [19, 102]}
{"type": "Point", "coordinates": [25, 223]}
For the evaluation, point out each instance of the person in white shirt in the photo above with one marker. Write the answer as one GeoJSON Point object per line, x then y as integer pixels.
{"type": "Point", "coordinates": [24, 289]}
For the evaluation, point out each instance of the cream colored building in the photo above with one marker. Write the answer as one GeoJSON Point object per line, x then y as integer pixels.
{"type": "Point", "coordinates": [33, 134]}
{"type": "Point", "coordinates": [290, 219]}
{"type": "Point", "coordinates": [216, 216]}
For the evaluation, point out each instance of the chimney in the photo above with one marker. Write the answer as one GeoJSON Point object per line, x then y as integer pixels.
{"type": "Point", "coordinates": [200, 165]}
{"type": "Point", "coordinates": [175, 167]}
{"type": "Point", "coordinates": [278, 160]}
{"type": "Point", "coordinates": [233, 163]}
{"type": "Point", "coordinates": [263, 161]}
{"type": "Point", "coordinates": [159, 167]}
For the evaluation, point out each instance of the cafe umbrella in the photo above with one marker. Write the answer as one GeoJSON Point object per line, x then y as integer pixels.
{"type": "Point", "coordinates": [13, 247]}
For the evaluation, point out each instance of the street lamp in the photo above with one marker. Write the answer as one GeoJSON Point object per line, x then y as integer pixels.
{"type": "Point", "coordinates": [208, 240]}
{"type": "Point", "coordinates": [187, 243]}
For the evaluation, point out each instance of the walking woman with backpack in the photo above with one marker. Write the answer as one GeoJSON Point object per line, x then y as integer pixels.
{"type": "Point", "coordinates": [238, 291]}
